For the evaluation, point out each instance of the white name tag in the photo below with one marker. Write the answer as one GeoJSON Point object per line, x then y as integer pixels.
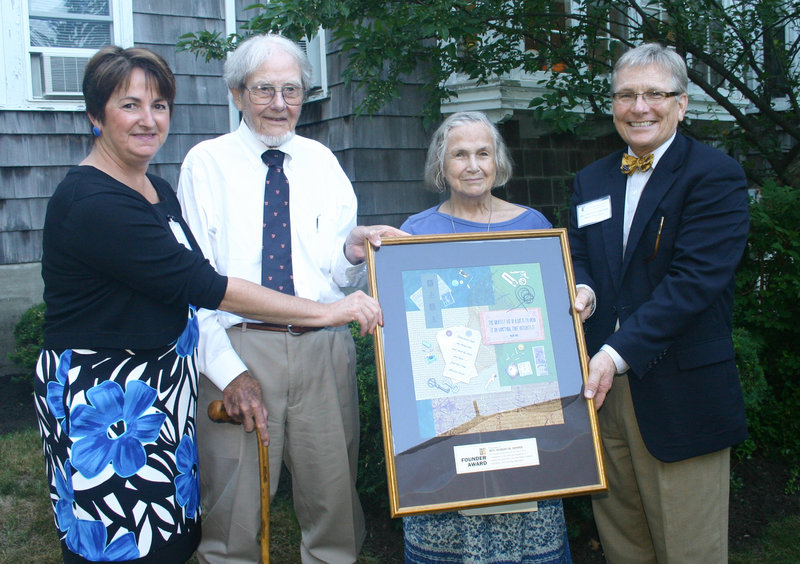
{"type": "Point", "coordinates": [594, 211]}
{"type": "Point", "coordinates": [177, 230]}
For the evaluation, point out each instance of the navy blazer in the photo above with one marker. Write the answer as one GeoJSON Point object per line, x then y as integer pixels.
{"type": "Point", "coordinates": [672, 294]}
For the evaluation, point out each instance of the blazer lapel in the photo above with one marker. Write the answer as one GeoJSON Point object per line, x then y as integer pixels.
{"type": "Point", "coordinates": [657, 186]}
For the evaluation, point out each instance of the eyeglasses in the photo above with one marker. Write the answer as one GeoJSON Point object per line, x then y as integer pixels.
{"type": "Point", "coordinates": [651, 98]}
{"type": "Point", "coordinates": [264, 93]}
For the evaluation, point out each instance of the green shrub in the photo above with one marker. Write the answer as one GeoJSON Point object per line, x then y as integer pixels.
{"type": "Point", "coordinates": [28, 338]}
{"type": "Point", "coordinates": [755, 389]}
{"type": "Point", "coordinates": [768, 283]}
{"type": "Point", "coordinates": [372, 482]}
{"type": "Point", "coordinates": [766, 307]}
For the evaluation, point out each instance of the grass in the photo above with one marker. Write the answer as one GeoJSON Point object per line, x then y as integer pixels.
{"type": "Point", "coordinates": [27, 529]}
{"type": "Point", "coordinates": [27, 532]}
{"type": "Point", "coordinates": [284, 532]}
{"type": "Point", "coordinates": [779, 545]}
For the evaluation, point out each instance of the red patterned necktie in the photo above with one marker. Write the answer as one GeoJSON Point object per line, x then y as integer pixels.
{"type": "Point", "coordinates": [276, 245]}
{"type": "Point", "coordinates": [631, 164]}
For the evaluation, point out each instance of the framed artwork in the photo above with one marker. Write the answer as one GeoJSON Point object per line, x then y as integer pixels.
{"type": "Point", "coordinates": [481, 364]}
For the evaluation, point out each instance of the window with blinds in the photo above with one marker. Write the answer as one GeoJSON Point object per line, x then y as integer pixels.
{"type": "Point", "coordinates": [63, 36]}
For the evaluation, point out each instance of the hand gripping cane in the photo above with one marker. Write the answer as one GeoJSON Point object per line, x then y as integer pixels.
{"type": "Point", "coordinates": [217, 413]}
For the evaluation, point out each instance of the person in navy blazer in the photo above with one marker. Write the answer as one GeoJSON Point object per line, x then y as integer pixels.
{"type": "Point", "coordinates": [655, 243]}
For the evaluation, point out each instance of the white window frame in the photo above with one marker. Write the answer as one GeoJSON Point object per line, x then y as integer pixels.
{"type": "Point", "coordinates": [16, 80]}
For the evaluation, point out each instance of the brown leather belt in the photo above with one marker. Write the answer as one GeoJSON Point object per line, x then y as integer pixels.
{"type": "Point", "coordinates": [291, 329]}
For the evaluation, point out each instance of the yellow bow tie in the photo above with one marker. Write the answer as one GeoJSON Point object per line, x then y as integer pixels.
{"type": "Point", "coordinates": [631, 164]}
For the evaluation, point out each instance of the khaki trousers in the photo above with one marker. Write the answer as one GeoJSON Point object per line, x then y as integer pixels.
{"type": "Point", "coordinates": [309, 387]}
{"type": "Point", "coordinates": [654, 511]}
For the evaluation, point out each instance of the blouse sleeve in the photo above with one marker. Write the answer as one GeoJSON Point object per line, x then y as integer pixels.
{"type": "Point", "coordinates": [120, 236]}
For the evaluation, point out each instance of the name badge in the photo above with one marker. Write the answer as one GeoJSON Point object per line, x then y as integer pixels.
{"type": "Point", "coordinates": [177, 230]}
{"type": "Point", "coordinates": [595, 211]}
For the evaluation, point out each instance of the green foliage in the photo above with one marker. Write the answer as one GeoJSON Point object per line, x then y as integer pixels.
{"type": "Point", "coordinates": [755, 389]}
{"type": "Point", "coordinates": [738, 55]}
{"type": "Point", "coordinates": [766, 314]}
{"type": "Point", "coordinates": [210, 44]}
{"type": "Point", "coordinates": [793, 487]}
{"type": "Point", "coordinates": [769, 279]}
{"type": "Point", "coordinates": [28, 338]}
{"type": "Point", "coordinates": [372, 482]}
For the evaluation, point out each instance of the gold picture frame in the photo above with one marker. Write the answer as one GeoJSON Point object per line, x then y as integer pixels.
{"type": "Point", "coordinates": [481, 364]}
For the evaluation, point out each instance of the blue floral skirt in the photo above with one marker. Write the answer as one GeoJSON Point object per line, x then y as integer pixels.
{"type": "Point", "coordinates": [504, 538]}
{"type": "Point", "coordinates": [118, 432]}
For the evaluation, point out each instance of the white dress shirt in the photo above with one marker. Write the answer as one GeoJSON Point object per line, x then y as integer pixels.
{"type": "Point", "coordinates": [634, 186]}
{"type": "Point", "coordinates": [221, 191]}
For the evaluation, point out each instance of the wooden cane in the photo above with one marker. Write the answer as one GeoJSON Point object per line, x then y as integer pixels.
{"type": "Point", "coordinates": [217, 413]}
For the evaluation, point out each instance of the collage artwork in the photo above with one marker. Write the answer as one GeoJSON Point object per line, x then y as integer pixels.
{"type": "Point", "coordinates": [481, 353]}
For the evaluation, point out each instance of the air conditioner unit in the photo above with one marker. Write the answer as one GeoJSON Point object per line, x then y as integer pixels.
{"type": "Point", "coordinates": [63, 75]}
{"type": "Point", "coordinates": [312, 49]}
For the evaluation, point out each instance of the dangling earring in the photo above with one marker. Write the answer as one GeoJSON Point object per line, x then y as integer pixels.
{"type": "Point", "coordinates": [96, 131]}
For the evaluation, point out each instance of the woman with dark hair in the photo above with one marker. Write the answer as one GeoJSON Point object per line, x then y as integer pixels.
{"type": "Point", "coordinates": [116, 383]}
{"type": "Point", "coordinates": [468, 158]}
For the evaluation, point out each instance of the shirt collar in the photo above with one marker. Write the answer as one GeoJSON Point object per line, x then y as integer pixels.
{"type": "Point", "coordinates": [659, 152]}
{"type": "Point", "coordinates": [257, 147]}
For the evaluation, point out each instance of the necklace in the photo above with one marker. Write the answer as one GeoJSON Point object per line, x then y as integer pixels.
{"type": "Point", "coordinates": [488, 224]}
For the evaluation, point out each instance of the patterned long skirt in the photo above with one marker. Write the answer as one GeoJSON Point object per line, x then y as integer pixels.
{"type": "Point", "coordinates": [118, 432]}
{"type": "Point", "coordinates": [531, 537]}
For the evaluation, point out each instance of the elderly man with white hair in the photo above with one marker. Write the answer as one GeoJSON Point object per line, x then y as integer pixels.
{"type": "Point", "coordinates": [277, 209]}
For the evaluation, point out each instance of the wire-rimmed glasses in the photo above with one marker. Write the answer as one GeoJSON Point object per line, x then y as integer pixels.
{"type": "Point", "coordinates": [262, 94]}
{"type": "Point", "coordinates": [651, 97]}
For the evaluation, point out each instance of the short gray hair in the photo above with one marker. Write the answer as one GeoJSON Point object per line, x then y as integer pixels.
{"type": "Point", "coordinates": [254, 51]}
{"type": "Point", "coordinates": [654, 54]}
{"type": "Point", "coordinates": [434, 163]}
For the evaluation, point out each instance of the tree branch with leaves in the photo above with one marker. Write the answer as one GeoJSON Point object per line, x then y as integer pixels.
{"type": "Point", "coordinates": [739, 52]}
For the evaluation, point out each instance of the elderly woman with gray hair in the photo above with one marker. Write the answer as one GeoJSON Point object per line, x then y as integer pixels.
{"type": "Point", "coordinates": [468, 157]}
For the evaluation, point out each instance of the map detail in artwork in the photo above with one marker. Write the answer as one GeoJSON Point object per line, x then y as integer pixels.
{"type": "Point", "coordinates": [481, 354]}
{"type": "Point", "coordinates": [534, 405]}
